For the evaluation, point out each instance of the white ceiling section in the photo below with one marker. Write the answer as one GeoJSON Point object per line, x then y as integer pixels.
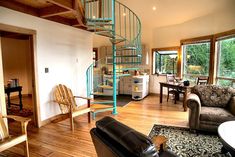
{"type": "Point", "coordinates": [199, 17]}
{"type": "Point", "coordinates": [171, 12]}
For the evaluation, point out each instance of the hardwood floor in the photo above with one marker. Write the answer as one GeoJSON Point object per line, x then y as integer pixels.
{"type": "Point", "coordinates": [56, 139]}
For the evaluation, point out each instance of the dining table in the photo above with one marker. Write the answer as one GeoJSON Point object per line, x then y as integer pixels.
{"type": "Point", "coordinates": [185, 90]}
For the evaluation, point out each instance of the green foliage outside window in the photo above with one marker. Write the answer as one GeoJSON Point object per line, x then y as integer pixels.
{"type": "Point", "coordinates": [197, 57]}
{"type": "Point", "coordinates": [226, 65]}
{"type": "Point", "coordinates": [164, 63]}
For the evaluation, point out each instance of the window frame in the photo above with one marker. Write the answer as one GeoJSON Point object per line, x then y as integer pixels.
{"type": "Point", "coordinates": [219, 37]}
{"type": "Point", "coordinates": [197, 40]}
{"type": "Point", "coordinates": [172, 48]}
{"type": "Point", "coordinates": [184, 59]}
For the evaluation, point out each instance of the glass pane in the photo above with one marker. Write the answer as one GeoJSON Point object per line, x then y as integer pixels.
{"type": "Point", "coordinates": [166, 62]}
{"type": "Point", "coordinates": [196, 59]}
{"type": "Point", "coordinates": [223, 82]}
{"type": "Point", "coordinates": [226, 50]}
{"type": "Point", "coordinates": [191, 79]}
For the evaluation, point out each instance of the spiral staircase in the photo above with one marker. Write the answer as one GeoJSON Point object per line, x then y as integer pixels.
{"type": "Point", "coordinates": [112, 19]}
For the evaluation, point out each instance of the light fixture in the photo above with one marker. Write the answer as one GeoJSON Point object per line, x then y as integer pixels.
{"type": "Point", "coordinates": [124, 14]}
{"type": "Point", "coordinates": [154, 8]}
{"type": "Point", "coordinates": [93, 16]}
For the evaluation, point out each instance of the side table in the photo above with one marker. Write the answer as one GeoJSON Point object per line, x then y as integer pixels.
{"type": "Point", "coordinates": [160, 142]}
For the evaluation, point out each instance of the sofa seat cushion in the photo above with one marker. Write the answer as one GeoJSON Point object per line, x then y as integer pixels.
{"type": "Point", "coordinates": [215, 114]}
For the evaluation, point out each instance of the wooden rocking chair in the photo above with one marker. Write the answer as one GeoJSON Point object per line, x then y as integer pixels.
{"type": "Point", "coordinates": [64, 97]}
{"type": "Point", "coordinates": [8, 141]}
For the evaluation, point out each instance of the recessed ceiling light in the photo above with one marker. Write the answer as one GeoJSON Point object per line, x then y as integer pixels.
{"type": "Point", "coordinates": [154, 8]}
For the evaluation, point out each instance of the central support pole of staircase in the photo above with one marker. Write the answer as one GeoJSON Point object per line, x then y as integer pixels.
{"type": "Point", "coordinates": [114, 62]}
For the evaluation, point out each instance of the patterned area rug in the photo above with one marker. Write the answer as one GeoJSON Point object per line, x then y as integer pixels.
{"type": "Point", "coordinates": [188, 144]}
{"type": "Point", "coordinates": [15, 110]}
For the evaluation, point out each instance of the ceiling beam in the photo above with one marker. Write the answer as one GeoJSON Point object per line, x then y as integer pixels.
{"type": "Point", "coordinates": [67, 4]}
{"type": "Point", "coordinates": [53, 11]}
{"type": "Point", "coordinates": [19, 7]}
{"type": "Point", "coordinates": [59, 19]}
{"type": "Point", "coordinates": [79, 12]}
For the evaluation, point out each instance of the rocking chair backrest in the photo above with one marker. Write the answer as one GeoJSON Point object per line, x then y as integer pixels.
{"type": "Point", "coordinates": [64, 97]}
{"type": "Point", "coordinates": [3, 128]}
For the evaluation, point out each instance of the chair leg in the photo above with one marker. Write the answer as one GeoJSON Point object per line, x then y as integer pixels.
{"type": "Point", "coordinates": [71, 122]}
{"type": "Point", "coordinates": [26, 150]}
{"type": "Point", "coordinates": [175, 98]}
{"type": "Point", "coordinates": [167, 96]}
{"type": "Point", "coordinates": [89, 117]}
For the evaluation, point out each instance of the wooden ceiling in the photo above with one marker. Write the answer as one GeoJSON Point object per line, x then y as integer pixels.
{"type": "Point", "coordinates": [68, 12]}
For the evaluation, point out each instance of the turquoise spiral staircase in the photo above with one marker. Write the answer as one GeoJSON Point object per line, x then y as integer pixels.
{"type": "Point", "coordinates": [112, 19]}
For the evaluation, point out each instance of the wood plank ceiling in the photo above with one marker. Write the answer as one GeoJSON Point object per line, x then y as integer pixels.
{"type": "Point", "coordinates": [68, 12]}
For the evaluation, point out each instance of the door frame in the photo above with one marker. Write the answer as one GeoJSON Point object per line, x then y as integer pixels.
{"type": "Point", "coordinates": [35, 90]}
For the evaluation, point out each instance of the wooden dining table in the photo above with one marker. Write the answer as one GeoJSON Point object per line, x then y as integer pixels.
{"type": "Point", "coordinates": [177, 86]}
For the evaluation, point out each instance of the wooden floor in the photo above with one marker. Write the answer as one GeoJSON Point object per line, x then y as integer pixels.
{"type": "Point", "coordinates": [56, 139]}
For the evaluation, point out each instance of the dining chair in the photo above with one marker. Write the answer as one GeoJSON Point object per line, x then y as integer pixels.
{"type": "Point", "coordinates": [202, 80]}
{"type": "Point", "coordinates": [170, 79]}
{"type": "Point", "coordinates": [66, 100]}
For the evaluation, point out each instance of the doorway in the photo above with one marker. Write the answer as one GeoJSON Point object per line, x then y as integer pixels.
{"type": "Point", "coordinates": [17, 59]}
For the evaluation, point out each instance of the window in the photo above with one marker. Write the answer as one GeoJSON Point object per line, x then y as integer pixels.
{"type": "Point", "coordinates": [196, 58]}
{"type": "Point", "coordinates": [225, 47]}
{"type": "Point", "coordinates": [165, 61]}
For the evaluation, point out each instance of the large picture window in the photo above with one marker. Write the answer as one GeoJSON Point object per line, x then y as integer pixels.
{"type": "Point", "coordinates": [196, 57]}
{"type": "Point", "coordinates": [226, 61]}
{"type": "Point", "coordinates": [165, 61]}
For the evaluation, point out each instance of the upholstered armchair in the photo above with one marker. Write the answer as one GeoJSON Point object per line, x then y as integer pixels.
{"type": "Point", "coordinates": [209, 106]}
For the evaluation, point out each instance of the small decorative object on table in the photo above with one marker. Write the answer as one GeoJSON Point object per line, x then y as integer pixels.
{"type": "Point", "coordinates": [186, 83]}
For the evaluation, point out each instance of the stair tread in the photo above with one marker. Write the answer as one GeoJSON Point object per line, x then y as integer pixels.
{"type": "Point", "coordinates": [102, 102]}
{"type": "Point", "coordinates": [118, 63]}
{"type": "Point", "coordinates": [89, 1]}
{"type": "Point", "coordinates": [135, 55]}
{"type": "Point", "coordinates": [99, 94]}
{"type": "Point", "coordinates": [128, 68]}
{"type": "Point", "coordinates": [105, 33]}
{"type": "Point", "coordinates": [89, 23]}
{"type": "Point", "coordinates": [126, 48]}
{"type": "Point", "coordinates": [116, 41]}
{"type": "Point", "coordinates": [99, 19]}
{"type": "Point", "coordinates": [99, 29]}
{"type": "Point", "coordinates": [106, 86]}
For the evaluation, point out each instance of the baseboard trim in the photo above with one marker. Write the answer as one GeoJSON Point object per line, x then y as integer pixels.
{"type": "Point", "coordinates": [54, 119]}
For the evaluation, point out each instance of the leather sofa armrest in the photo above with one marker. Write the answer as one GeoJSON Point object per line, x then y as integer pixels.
{"type": "Point", "coordinates": [231, 105]}
{"type": "Point", "coordinates": [194, 105]}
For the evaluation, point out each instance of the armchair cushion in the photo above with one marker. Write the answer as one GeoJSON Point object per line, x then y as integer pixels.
{"type": "Point", "coordinates": [231, 106]}
{"type": "Point", "coordinates": [213, 96]}
{"type": "Point", "coordinates": [215, 114]}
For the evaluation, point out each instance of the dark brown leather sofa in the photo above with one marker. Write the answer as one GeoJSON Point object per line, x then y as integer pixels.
{"type": "Point", "coordinates": [114, 139]}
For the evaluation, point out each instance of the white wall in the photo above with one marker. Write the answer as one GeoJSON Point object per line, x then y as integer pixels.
{"type": "Point", "coordinates": [66, 51]}
{"type": "Point", "coordinates": [168, 36]}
